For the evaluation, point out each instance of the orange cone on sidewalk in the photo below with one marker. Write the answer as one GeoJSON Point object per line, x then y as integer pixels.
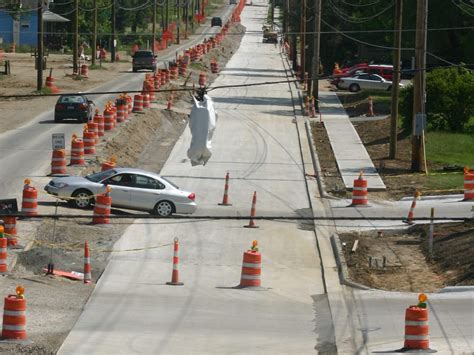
{"type": "Point", "coordinates": [360, 192]}
{"type": "Point", "coordinates": [175, 273]}
{"type": "Point", "coordinates": [3, 252]}
{"type": "Point", "coordinates": [251, 267]}
{"type": "Point", "coordinates": [411, 213]}
{"type": "Point", "coordinates": [87, 264]}
{"type": "Point", "coordinates": [253, 211]}
{"type": "Point", "coordinates": [225, 199]}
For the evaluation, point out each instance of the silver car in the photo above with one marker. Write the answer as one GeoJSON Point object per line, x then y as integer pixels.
{"type": "Point", "coordinates": [130, 188]}
{"type": "Point", "coordinates": [365, 82]}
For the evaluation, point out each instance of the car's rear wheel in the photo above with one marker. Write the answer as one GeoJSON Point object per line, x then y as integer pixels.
{"type": "Point", "coordinates": [354, 88]}
{"type": "Point", "coordinates": [164, 208]}
{"type": "Point", "coordinates": [81, 199]}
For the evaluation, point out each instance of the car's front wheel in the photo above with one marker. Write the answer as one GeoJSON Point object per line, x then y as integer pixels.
{"type": "Point", "coordinates": [163, 208]}
{"type": "Point", "coordinates": [82, 199]}
{"type": "Point", "coordinates": [354, 88]}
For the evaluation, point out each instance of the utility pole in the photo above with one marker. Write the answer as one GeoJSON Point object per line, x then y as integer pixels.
{"type": "Point", "coordinates": [397, 43]}
{"type": "Point", "coordinates": [285, 18]}
{"type": "Point", "coordinates": [316, 55]}
{"type": "Point", "coordinates": [39, 58]}
{"type": "Point", "coordinates": [303, 39]}
{"type": "Point", "coordinates": [419, 87]}
{"type": "Point", "coordinates": [167, 13]}
{"type": "Point", "coordinates": [153, 36]}
{"type": "Point", "coordinates": [75, 42]}
{"type": "Point", "coordinates": [112, 50]}
{"type": "Point", "coordinates": [178, 20]}
{"type": "Point", "coordinates": [186, 19]}
{"type": "Point", "coordinates": [273, 12]}
{"type": "Point", "coordinates": [94, 33]}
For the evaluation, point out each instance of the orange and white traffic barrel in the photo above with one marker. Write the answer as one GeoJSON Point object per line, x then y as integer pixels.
{"type": "Point", "coordinates": [175, 273]}
{"type": "Point", "coordinates": [10, 230]}
{"type": "Point", "coordinates": [251, 267]}
{"type": "Point", "coordinates": [94, 127]}
{"type": "Point", "coordinates": [146, 100]}
{"type": "Point", "coordinates": [360, 192]}
{"type": "Point", "coordinates": [120, 113]}
{"type": "Point", "coordinates": [102, 208]}
{"type": "Point", "coordinates": [84, 70]}
{"type": "Point", "coordinates": [87, 264]}
{"type": "Point", "coordinates": [99, 119]}
{"type": "Point", "coordinates": [202, 79]}
{"type": "Point", "coordinates": [58, 162]}
{"type": "Point", "coordinates": [416, 329]}
{"type": "Point", "coordinates": [77, 151]}
{"type": "Point", "coordinates": [14, 316]}
{"type": "Point", "coordinates": [3, 252]}
{"type": "Point", "coordinates": [29, 202]}
{"type": "Point", "coordinates": [138, 103]}
{"type": "Point", "coordinates": [129, 104]}
{"type": "Point", "coordinates": [89, 141]}
{"type": "Point", "coordinates": [468, 184]}
{"type": "Point", "coordinates": [108, 119]}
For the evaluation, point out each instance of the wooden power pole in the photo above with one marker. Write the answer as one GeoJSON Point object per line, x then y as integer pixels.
{"type": "Point", "coordinates": [94, 33]}
{"type": "Point", "coordinates": [316, 54]}
{"type": "Point", "coordinates": [303, 39]}
{"type": "Point", "coordinates": [112, 50]}
{"type": "Point", "coordinates": [419, 87]}
{"type": "Point", "coordinates": [153, 29]}
{"type": "Point", "coordinates": [75, 42]}
{"type": "Point", "coordinates": [397, 43]}
{"type": "Point", "coordinates": [39, 58]}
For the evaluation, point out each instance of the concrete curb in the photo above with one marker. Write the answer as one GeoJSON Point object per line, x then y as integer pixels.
{"type": "Point", "coordinates": [435, 197]}
{"type": "Point", "coordinates": [342, 265]}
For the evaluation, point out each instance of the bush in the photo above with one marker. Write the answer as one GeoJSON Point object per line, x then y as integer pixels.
{"type": "Point", "coordinates": [450, 100]}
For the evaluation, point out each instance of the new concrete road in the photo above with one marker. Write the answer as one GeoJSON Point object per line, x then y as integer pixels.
{"type": "Point", "coordinates": [132, 310]}
{"type": "Point", "coordinates": [31, 143]}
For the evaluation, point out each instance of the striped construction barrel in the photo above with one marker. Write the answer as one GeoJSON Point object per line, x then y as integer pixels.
{"type": "Point", "coordinates": [58, 162]}
{"type": "Point", "coordinates": [89, 142]}
{"type": "Point", "coordinates": [102, 207]}
{"type": "Point", "coordinates": [14, 318]}
{"type": "Point", "coordinates": [251, 269]}
{"type": "Point", "coordinates": [469, 185]}
{"type": "Point", "coordinates": [99, 119]}
{"type": "Point", "coordinates": [29, 202]}
{"type": "Point", "coordinates": [3, 253]}
{"type": "Point", "coordinates": [94, 127]}
{"type": "Point", "coordinates": [360, 192]}
{"type": "Point", "coordinates": [416, 328]}
{"type": "Point", "coordinates": [137, 103]}
{"type": "Point", "coordinates": [10, 230]}
{"type": "Point", "coordinates": [77, 152]}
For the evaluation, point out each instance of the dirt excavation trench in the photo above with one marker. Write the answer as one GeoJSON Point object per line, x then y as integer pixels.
{"type": "Point", "coordinates": [145, 141]}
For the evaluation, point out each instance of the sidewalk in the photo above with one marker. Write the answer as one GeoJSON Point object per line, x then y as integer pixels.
{"type": "Point", "coordinates": [349, 151]}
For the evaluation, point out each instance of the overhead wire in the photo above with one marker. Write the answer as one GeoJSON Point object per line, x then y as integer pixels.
{"type": "Point", "coordinates": [359, 20]}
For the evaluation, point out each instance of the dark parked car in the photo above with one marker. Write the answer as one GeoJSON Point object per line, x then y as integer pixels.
{"type": "Point", "coordinates": [77, 107]}
{"type": "Point", "coordinates": [143, 60]}
{"type": "Point", "coordinates": [216, 21]}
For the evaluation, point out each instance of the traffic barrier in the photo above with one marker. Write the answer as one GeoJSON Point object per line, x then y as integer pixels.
{"type": "Point", "coordinates": [120, 113]}
{"type": "Point", "coordinates": [14, 316]}
{"type": "Point", "coordinates": [29, 201]}
{"type": "Point", "coordinates": [370, 112]}
{"type": "Point", "coordinates": [253, 211]}
{"type": "Point", "coordinates": [129, 104]}
{"type": "Point", "coordinates": [102, 207]}
{"type": "Point", "coordinates": [3, 251]}
{"type": "Point", "coordinates": [169, 103]}
{"type": "Point", "coordinates": [94, 127]}
{"type": "Point", "coordinates": [58, 162]}
{"type": "Point", "coordinates": [157, 81]}
{"type": "Point", "coordinates": [10, 230]}
{"type": "Point", "coordinates": [214, 66]}
{"type": "Point", "coordinates": [50, 84]}
{"type": "Point", "coordinates": [87, 264]}
{"type": "Point", "coordinates": [360, 192]}
{"type": "Point", "coordinates": [77, 151]}
{"type": "Point", "coordinates": [416, 327]}
{"type": "Point", "coordinates": [202, 79]}
{"type": "Point", "coordinates": [84, 70]}
{"type": "Point", "coordinates": [99, 119]}
{"type": "Point", "coordinates": [110, 164]}
{"type": "Point", "coordinates": [174, 73]}
{"type": "Point", "coordinates": [251, 267]}
{"type": "Point", "coordinates": [225, 199]}
{"type": "Point", "coordinates": [89, 141]}
{"type": "Point", "coordinates": [175, 274]}
{"type": "Point", "coordinates": [108, 119]}
{"type": "Point", "coordinates": [411, 212]}
{"type": "Point", "coordinates": [468, 184]}
{"type": "Point", "coordinates": [138, 103]}
{"type": "Point", "coordinates": [146, 100]}
{"type": "Point", "coordinates": [114, 115]}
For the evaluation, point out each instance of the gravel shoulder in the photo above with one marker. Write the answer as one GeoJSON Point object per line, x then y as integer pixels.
{"type": "Point", "coordinates": [54, 303]}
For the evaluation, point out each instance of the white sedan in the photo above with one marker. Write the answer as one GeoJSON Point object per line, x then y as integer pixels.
{"type": "Point", "coordinates": [133, 189]}
{"type": "Point", "coordinates": [365, 82]}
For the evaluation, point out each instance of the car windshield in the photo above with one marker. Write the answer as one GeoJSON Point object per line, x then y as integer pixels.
{"type": "Point", "coordinates": [142, 54]}
{"type": "Point", "coordinates": [71, 99]}
{"type": "Point", "coordinates": [101, 175]}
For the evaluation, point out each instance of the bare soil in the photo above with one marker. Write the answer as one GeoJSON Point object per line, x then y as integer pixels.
{"type": "Point", "coordinates": [55, 303]}
{"type": "Point", "coordinates": [408, 267]}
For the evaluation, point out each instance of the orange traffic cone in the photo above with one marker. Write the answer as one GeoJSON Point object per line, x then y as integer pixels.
{"type": "Point", "coordinates": [411, 213]}
{"type": "Point", "coordinates": [253, 212]}
{"type": "Point", "coordinates": [87, 264]}
{"type": "Point", "coordinates": [175, 273]}
{"type": "Point", "coordinates": [225, 199]}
